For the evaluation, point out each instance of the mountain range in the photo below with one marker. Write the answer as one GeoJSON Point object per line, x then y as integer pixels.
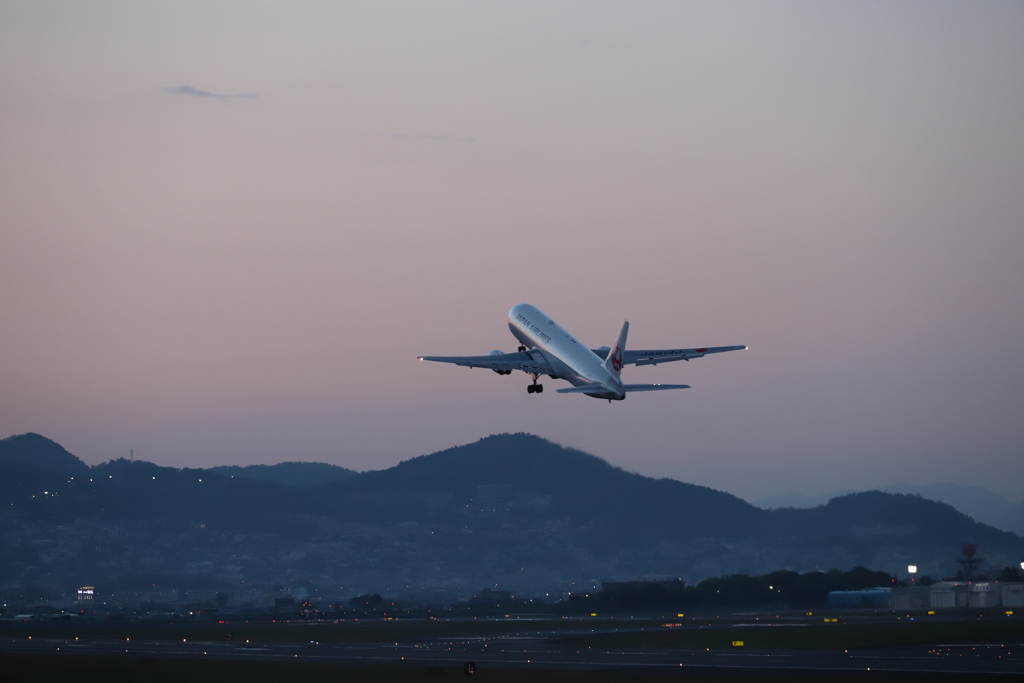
{"type": "Point", "coordinates": [983, 505]}
{"type": "Point", "coordinates": [289, 473]}
{"type": "Point", "coordinates": [511, 509]}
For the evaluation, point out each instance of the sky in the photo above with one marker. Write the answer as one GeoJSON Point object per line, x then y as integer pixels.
{"type": "Point", "coordinates": [227, 229]}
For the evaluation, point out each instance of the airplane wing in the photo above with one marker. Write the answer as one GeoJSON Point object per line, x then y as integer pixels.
{"type": "Point", "coordinates": [655, 356]}
{"type": "Point", "coordinates": [653, 387]}
{"type": "Point", "coordinates": [585, 389]}
{"type": "Point", "coordinates": [500, 361]}
{"type": "Point", "coordinates": [598, 388]}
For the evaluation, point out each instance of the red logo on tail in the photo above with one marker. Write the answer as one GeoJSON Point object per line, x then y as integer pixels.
{"type": "Point", "coordinates": [617, 358]}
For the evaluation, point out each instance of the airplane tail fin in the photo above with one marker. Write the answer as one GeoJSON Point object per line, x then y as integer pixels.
{"type": "Point", "coordinates": [614, 360]}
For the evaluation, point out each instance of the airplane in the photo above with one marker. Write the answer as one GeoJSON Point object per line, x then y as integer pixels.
{"type": "Point", "coordinates": [545, 348]}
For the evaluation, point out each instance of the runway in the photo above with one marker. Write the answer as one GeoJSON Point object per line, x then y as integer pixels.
{"type": "Point", "coordinates": [546, 651]}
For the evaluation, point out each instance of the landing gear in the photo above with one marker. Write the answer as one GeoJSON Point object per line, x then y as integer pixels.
{"type": "Point", "coordinates": [522, 347]}
{"type": "Point", "coordinates": [535, 388]}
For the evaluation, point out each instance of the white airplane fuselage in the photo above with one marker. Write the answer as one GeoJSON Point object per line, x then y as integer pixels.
{"type": "Point", "coordinates": [570, 359]}
{"type": "Point", "coordinates": [547, 349]}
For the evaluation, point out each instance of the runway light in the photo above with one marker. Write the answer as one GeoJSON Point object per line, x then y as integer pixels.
{"type": "Point", "coordinates": [911, 568]}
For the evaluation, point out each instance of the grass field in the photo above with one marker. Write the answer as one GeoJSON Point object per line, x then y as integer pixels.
{"type": "Point", "coordinates": [86, 669]}
{"type": "Point", "coordinates": [716, 632]}
{"type": "Point", "coordinates": [872, 631]}
{"type": "Point", "coordinates": [922, 631]}
{"type": "Point", "coordinates": [364, 631]}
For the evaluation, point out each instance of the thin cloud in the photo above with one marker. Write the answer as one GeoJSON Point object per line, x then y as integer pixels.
{"type": "Point", "coordinates": [196, 92]}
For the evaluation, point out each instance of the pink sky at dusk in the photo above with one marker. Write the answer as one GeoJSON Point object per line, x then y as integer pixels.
{"type": "Point", "coordinates": [220, 280]}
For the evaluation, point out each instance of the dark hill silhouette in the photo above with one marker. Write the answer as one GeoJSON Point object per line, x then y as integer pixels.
{"type": "Point", "coordinates": [503, 470]}
{"type": "Point", "coordinates": [31, 464]}
{"type": "Point", "coordinates": [1014, 519]}
{"type": "Point", "coordinates": [979, 503]}
{"type": "Point", "coordinates": [37, 452]}
{"type": "Point", "coordinates": [982, 504]}
{"type": "Point", "coordinates": [289, 473]}
{"type": "Point", "coordinates": [510, 508]}
{"type": "Point", "coordinates": [873, 524]}
{"type": "Point", "coordinates": [123, 489]}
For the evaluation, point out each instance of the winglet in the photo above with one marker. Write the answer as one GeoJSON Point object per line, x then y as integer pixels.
{"type": "Point", "coordinates": [613, 362]}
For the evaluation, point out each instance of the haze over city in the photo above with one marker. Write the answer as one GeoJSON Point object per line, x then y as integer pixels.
{"type": "Point", "coordinates": [227, 230]}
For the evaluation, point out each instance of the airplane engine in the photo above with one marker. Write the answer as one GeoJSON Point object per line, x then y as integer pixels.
{"type": "Point", "coordinates": [500, 353]}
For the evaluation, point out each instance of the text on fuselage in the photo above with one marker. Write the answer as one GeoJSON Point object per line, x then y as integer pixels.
{"type": "Point", "coordinates": [532, 328]}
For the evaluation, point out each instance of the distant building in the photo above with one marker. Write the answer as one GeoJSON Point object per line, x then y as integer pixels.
{"type": "Point", "coordinates": [984, 594]}
{"type": "Point", "coordinates": [954, 594]}
{"type": "Point", "coordinates": [945, 595]}
{"type": "Point", "coordinates": [910, 597]}
{"type": "Point", "coordinates": [868, 597]}
{"type": "Point", "coordinates": [1013, 594]}
{"type": "Point", "coordinates": [85, 594]}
